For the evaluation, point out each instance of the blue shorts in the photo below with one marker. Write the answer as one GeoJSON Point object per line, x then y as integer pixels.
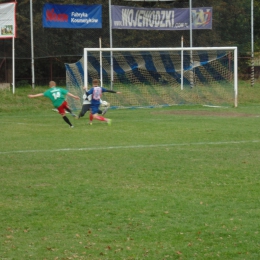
{"type": "Point", "coordinates": [94, 109]}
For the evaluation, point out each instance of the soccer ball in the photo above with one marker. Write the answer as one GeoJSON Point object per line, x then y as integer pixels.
{"type": "Point", "coordinates": [104, 103]}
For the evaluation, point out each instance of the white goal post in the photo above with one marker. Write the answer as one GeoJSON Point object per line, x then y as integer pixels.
{"type": "Point", "coordinates": [160, 76]}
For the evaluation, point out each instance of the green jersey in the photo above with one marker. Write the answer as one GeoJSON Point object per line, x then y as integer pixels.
{"type": "Point", "coordinates": [56, 95]}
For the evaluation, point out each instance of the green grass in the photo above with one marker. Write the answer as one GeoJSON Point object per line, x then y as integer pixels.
{"type": "Point", "coordinates": [171, 183]}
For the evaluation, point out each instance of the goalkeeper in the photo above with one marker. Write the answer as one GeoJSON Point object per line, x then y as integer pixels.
{"type": "Point", "coordinates": [87, 103]}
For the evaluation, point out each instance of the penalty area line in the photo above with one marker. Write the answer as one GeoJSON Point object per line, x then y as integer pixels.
{"type": "Point", "coordinates": [128, 147]}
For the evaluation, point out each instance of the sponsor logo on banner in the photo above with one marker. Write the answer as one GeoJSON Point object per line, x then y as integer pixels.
{"type": "Point", "coordinates": [201, 17]}
{"type": "Point", "coordinates": [125, 17]}
{"type": "Point", "coordinates": [72, 16]}
{"type": "Point", "coordinates": [7, 20]}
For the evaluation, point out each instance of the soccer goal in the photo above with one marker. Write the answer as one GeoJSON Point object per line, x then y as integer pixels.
{"type": "Point", "coordinates": [150, 77]}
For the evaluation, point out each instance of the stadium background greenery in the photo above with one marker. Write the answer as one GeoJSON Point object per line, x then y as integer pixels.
{"type": "Point", "coordinates": [172, 183]}
{"type": "Point", "coordinates": [54, 47]}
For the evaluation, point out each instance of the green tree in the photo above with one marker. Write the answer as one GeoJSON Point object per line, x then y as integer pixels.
{"type": "Point", "coordinates": [53, 47]}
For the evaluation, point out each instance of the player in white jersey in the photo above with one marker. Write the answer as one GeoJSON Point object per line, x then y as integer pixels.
{"type": "Point", "coordinates": [87, 103]}
{"type": "Point", "coordinates": [96, 92]}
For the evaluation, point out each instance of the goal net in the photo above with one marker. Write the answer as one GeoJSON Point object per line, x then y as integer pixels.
{"type": "Point", "coordinates": [151, 77]}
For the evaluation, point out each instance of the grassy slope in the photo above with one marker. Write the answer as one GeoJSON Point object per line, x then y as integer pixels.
{"type": "Point", "coordinates": [193, 194]}
{"type": "Point", "coordinates": [19, 101]}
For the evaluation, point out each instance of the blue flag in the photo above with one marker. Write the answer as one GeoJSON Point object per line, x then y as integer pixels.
{"type": "Point", "coordinates": [128, 17]}
{"type": "Point", "coordinates": [72, 16]}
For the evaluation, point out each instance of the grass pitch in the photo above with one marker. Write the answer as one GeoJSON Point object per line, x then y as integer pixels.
{"type": "Point", "coordinates": [169, 183]}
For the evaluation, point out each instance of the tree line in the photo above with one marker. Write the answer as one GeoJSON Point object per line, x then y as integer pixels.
{"type": "Point", "coordinates": [231, 26]}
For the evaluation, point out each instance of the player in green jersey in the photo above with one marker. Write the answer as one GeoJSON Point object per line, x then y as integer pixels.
{"type": "Point", "coordinates": [58, 98]}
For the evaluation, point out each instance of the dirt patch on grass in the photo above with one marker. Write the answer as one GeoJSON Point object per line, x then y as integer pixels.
{"type": "Point", "coordinates": [206, 113]}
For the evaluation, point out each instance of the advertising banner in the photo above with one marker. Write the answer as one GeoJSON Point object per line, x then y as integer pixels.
{"type": "Point", "coordinates": [126, 17]}
{"type": "Point", "coordinates": [72, 16]}
{"type": "Point", "coordinates": [7, 20]}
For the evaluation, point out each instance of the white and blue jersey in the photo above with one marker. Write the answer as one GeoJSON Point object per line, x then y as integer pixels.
{"type": "Point", "coordinates": [96, 93]}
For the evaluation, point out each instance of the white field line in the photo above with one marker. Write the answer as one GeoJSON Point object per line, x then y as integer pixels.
{"type": "Point", "coordinates": [127, 147]}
